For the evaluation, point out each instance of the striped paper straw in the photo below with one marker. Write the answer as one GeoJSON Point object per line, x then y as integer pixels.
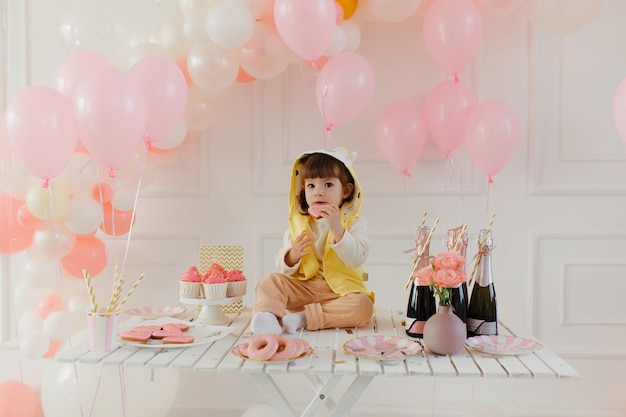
{"type": "Point", "coordinates": [131, 291]}
{"type": "Point", "coordinates": [419, 256]}
{"type": "Point", "coordinates": [92, 296]}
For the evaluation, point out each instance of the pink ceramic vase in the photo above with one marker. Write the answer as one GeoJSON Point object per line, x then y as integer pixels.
{"type": "Point", "coordinates": [444, 332]}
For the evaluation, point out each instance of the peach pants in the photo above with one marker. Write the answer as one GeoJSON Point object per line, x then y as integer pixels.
{"type": "Point", "coordinates": [276, 293]}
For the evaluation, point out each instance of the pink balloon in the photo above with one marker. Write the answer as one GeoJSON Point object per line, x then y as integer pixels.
{"type": "Point", "coordinates": [40, 126]}
{"type": "Point", "coordinates": [18, 399]}
{"type": "Point", "coordinates": [306, 26]}
{"type": "Point", "coordinates": [75, 67]}
{"type": "Point", "coordinates": [164, 85]}
{"type": "Point", "coordinates": [48, 304]}
{"type": "Point", "coordinates": [344, 88]}
{"type": "Point", "coordinates": [89, 253]}
{"type": "Point", "coordinates": [446, 110]}
{"type": "Point", "coordinates": [14, 237]}
{"type": "Point", "coordinates": [619, 109]}
{"type": "Point", "coordinates": [111, 113]}
{"type": "Point", "coordinates": [452, 32]}
{"type": "Point", "coordinates": [493, 136]}
{"type": "Point", "coordinates": [401, 135]}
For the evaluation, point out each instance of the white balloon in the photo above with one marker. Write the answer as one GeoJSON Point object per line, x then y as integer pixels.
{"type": "Point", "coordinates": [173, 40]}
{"type": "Point", "coordinates": [29, 323]}
{"type": "Point", "coordinates": [123, 199]}
{"type": "Point", "coordinates": [48, 203]}
{"type": "Point", "coordinates": [41, 271]}
{"type": "Point", "coordinates": [212, 67]}
{"type": "Point", "coordinates": [229, 24]}
{"type": "Point", "coordinates": [15, 178]}
{"type": "Point", "coordinates": [173, 138]}
{"type": "Point", "coordinates": [266, 55]}
{"type": "Point", "coordinates": [84, 215]}
{"type": "Point", "coordinates": [337, 43]}
{"type": "Point", "coordinates": [53, 244]}
{"type": "Point", "coordinates": [194, 28]}
{"type": "Point", "coordinates": [353, 35]}
{"type": "Point", "coordinates": [59, 325]}
{"type": "Point", "coordinates": [34, 346]}
{"type": "Point", "coordinates": [26, 297]}
{"type": "Point", "coordinates": [149, 392]}
{"type": "Point", "coordinates": [562, 16]}
{"type": "Point", "coordinates": [80, 174]}
{"type": "Point", "coordinates": [498, 8]}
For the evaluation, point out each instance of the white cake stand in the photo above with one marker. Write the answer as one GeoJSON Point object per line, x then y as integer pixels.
{"type": "Point", "coordinates": [211, 310]}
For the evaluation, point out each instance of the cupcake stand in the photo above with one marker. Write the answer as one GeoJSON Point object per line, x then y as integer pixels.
{"type": "Point", "coordinates": [211, 310]}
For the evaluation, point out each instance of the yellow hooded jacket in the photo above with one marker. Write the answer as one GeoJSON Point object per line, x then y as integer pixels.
{"type": "Point", "coordinates": [342, 279]}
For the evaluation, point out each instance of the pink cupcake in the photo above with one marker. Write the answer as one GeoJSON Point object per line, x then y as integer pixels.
{"type": "Point", "coordinates": [190, 284]}
{"type": "Point", "coordinates": [237, 283]}
{"type": "Point", "coordinates": [214, 284]}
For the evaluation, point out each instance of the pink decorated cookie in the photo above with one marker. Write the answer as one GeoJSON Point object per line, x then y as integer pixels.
{"type": "Point", "coordinates": [177, 339]}
{"type": "Point", "coordinates": [315, 210]}
{"type": "Point", "coordinates": [135, 336]}
{"type": "Point", "coordinates": [145, 329]}
{"type": "Point", "coordinates": [180, 326]}
{"type": "Point", "coordinates": [160, 334]}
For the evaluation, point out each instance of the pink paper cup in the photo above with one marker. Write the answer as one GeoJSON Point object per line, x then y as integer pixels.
{"type": "Point", "coordinates": [102, 331]}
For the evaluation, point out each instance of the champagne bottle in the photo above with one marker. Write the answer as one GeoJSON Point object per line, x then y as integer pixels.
{"type": "Point", "coordinates": [483, 307]}
{"type": "Point", "coordinates": [457, 241]}
{"type": "Point", "coordinates": [421, 304]}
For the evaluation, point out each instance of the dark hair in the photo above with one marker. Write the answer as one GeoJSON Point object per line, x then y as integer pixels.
{"type": "Point", "coordinates": [321, 165]}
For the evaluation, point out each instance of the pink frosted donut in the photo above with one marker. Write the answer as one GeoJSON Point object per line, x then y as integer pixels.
{"type": "Point", "coordinates": [262, 347]}
{"type": "Point", "coordinates": [287, 349]}
{"type": "Point", "coordinates": [303, 347]}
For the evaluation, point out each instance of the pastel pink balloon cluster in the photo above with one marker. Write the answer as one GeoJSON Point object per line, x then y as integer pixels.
{"type": "Point", "coordinates": [110, 111]}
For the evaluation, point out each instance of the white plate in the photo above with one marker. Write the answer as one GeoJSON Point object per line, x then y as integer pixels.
{"type": "Point", "coordinates": [382, 348]}
{"type": "Point", "coordinates": [503, 345]}
{"type": "Point", "coordinates": [155, 312]}
{"type": "Point", "coordinates": [202, 333]}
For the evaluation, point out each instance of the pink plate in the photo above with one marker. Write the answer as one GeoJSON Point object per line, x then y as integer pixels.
{"type": "Point", "coordinates": [503, 345]}
{"type": "Point", "coordinates": [382, 348]}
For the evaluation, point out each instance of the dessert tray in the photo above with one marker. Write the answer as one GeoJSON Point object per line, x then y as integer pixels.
{"type": "Point", "coordinates": [202, 333]}
{"type": "Point", "coordinates": [503, 345]}
{"type": "Point", "coordinates": [382, 348]}
{"type": "Point", "coordinates": [155, 312]}
{"type": "Point", "coordinates": [237, 352]}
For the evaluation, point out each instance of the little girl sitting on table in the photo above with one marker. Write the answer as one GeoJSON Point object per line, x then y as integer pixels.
{"type": "Point", "coordinates": [319, 284]}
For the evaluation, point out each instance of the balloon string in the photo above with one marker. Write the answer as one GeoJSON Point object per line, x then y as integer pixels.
{"type": "Point", "coordinates": [449, 170]}
{"type": "Point", "coordinates": [132, 217]}
{"type": "Point", "coordinates": [120, 369]}
{"type": "Point", "coordinates": [95, 394]}
{"type": "Point", "coordinates": [329, 125]}
{"type": "Point", "coordinates": [491, 184]}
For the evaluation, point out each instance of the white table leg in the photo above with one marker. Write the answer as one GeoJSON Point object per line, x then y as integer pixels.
{"type": "Point", "coordinates": [351, 396]}
{"type": "Point", "coordinates": [322, 395]}
{"type": "Point", "coordinates": [274, 394]}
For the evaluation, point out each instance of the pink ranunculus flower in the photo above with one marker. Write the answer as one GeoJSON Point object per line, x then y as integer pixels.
{"type": "Point", "coordinates": [424, 276]}
{"type": "Point", "coordinates": [448, 260]}
{"type": "Point", "coordinates": [449, 278]}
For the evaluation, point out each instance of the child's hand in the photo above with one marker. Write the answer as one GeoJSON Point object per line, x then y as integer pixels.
{"type": "Point", "coordinates": [301, 246]}
{"type": "Point", "coordinates": [331, 213]}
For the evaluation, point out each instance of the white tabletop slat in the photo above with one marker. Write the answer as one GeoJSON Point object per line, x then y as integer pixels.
{"type": "Point", "coordinates": [165, 357]}
{"type": "Point", "coordinates": [222, 347]}
{"type": "Point", "coordinates": [345, 363]}
{"type": "Point", "coordinates": [73, 353]}
{"type": "Point", "coordinates": [322, 361]}
{"type": "Point", "coordinates": [558, 365]}
{"type": "Point", "coordinates": [303, 365]}
{"type": "Point", "coordinates": [119, 356]}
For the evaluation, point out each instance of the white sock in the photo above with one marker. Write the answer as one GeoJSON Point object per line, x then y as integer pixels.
{"type": "Point", "coordinates": [294, 321]}
{"type": "Point", "coordinates": [265, 322]}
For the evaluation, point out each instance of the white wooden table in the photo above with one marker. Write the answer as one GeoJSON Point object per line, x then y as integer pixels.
{"type": "Point", "coordinates": [329, 363]}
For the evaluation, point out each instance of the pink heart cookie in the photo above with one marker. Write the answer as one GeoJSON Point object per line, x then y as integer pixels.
{"type": "Point", "coordinates": [315, 210]}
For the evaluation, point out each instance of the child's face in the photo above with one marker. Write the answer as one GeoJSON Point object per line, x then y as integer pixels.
{"type": "Point", "coordinates": [325, 191]}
